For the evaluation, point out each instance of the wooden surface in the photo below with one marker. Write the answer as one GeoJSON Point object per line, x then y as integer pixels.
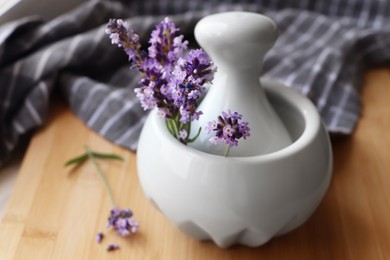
{"type": "Point", "coordinates": [56, 215]}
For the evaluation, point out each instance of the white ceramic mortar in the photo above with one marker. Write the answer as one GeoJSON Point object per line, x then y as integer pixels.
{"type": "Point", "coordinates": [244, 200]}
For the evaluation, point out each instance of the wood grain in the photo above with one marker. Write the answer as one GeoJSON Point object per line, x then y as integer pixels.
{"type": "Point", "coordinates": [53, 214]}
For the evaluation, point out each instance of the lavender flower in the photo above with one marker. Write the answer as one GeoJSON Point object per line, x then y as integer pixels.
{"type": "Point", "coordinates": [165, 47]}
{"type": "Point", "coordinates": [198, 66]}
{"type": "Point", "coordinates": [170, 82]}
{"type": "Point", "coordinates": [123, 36]}
{"type": "Point", "coordinates": [228, 130]}
{"type": "Point", "coordinates": [112, 247]}
{"type": "Point", "coordinates": [183, 134]}
{"type": "Point", "coordinates": [99, 237]}
{"type": "Point", "coordinates": [190, 76]}
{"type": "Point", "coordinates": [121, 220]}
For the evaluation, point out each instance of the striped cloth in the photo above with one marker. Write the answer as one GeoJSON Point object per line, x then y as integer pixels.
{"type": "Point", "coordinates": [322, 50]}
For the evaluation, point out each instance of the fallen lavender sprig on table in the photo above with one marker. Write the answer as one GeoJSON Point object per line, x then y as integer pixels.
{"type": "Point", "coordinates": [171, 81]}
{"type": "Point", "coordinates": [228, 130]}
{"type": "Point", "coordinates": [120, 219]}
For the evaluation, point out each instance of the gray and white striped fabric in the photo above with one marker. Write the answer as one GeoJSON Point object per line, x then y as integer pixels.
{"type": "Point", "coordinates": [322, 50]}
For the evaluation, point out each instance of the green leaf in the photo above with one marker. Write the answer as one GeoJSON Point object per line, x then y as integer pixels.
{"type": "Point", "coordinates": [107, 156]}
{"type": "Point", "coordinates": [77, 160]}
{"type": "Point", "coordinates": [82, 158]}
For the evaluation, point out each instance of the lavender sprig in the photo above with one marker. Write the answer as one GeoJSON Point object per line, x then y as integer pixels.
{"type": "Point", "coordinates": [171, 82]}
{"type": "Point", "coordinates": [165, 47]}
{"type": "Point", "coordinates": [124, 37]}
{"type": "Point", "coordinates": [228, 130]}
{"type": "Point", "coordinates": [120, 219]}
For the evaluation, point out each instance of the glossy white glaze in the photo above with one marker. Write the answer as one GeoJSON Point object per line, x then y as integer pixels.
{"type": "Point", "coordinates": [237, 43]}
{"type": "Point", "coordinates": [245, 200]}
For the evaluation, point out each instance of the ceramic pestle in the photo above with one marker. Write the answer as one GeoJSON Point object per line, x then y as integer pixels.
{"type": "Point", "coordinates": [237, 43]}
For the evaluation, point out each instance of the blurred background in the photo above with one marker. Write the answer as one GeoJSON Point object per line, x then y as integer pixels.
{"type": "Point", "coordinates": [47, 9]}
{"type": "Point", "coordinates": [12, 10]}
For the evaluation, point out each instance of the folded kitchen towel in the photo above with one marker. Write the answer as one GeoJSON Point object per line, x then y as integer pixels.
{"type": "Point", "coordinates": [322, 50]}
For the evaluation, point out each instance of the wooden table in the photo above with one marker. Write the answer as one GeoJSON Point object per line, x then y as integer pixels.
{"type": "Point", "coordinates": [56, 215]}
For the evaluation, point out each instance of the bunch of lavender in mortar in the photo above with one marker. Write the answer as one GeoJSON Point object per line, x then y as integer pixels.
{"type": "Point", "coordinates": [173, 82]}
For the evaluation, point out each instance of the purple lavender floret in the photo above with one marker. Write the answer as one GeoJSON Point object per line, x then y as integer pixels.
{"type": "Point", "coordinates": [183, 134]}
{"type": "Point", "coordinates": [122, 221]}
{"type": "Point", "coordinates": [113, 247]}
{"type": "Point", "coordinates": [228, 130]}
{"type": "Point", "coordinates": [190, 75]}
{"type": "Point", "coordinates": [124, 37]}
{"type": "Point", "coordinates": [99, 237]}
{"type": "Point", "coordinates": [165, 47]}
{"type": "Point", "coordinates": [198, 66]}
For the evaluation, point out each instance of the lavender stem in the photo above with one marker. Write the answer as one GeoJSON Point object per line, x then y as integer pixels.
{"type": "Point", "coordinates": [102, 177]}
{"type": "Point", "coordinates": [227, 150]}
{"type": "Point", "coordinates": [175, 129]}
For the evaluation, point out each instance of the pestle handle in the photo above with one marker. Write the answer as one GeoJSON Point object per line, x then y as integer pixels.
{"type": "Point", "coordinates": [237, 43]}
{"type": "Point", "coordinates": [236, 40]}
